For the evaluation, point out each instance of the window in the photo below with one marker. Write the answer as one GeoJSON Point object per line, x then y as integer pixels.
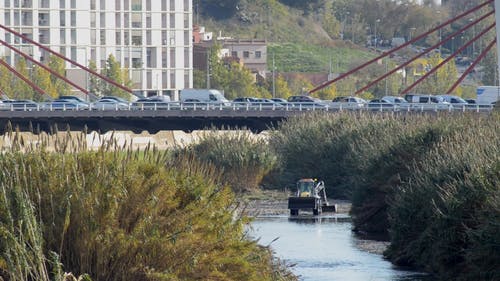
{"type": "Point", "coordinates": [62, 18]}
{"type": "Point", "coordinates": [118, 38]}
{"type": "Point", "coordinates": [92, 4]}
{"type": "Point", "coordinates": [163, 5]}
{"type": "Point", "coordinates": [103, 5]}
{"type": "Point", "coordinates": [102, 18]}
{"type": "Point", "coordinates": [187, 60]}
{"type": "Point", "coordinates": [62, 35]}
{"type": "Point", "coordinates": [246, 54]}
{"type": "Point", "coordinates": [234, 54]}
{"type": "Point", "coordinates": [172, 58]}
{"type": "Point", "coordinates": [117, 5]}
{"type": "Point", "coordinates": [73, 36]}
{"type": "Point", "coordinates": [73, 5]}
{"type": "Point", "coordinates": [62, 4]}
{"type": "Point", "coordinates": [148, 5]}
{"type": "Point", "coordinates": [7, 3]}
{"type": "Point", "coordinates": [187, 38]}
{"type": "Point", "coordinates": [172, 21]}
{"type": "Point", "coordinates": [92, 19]}
{"type": "Point", "coordinates": [73, 18]}
{"type": "Point", "coordinates": [258, 54]}
{"type": "Point", "coordinates": [186, 5]}
{"type": "Point", "coordinates": [118, 22]}
{"type": "Point", "coordinates": [172, 5]}
{"type": "Point", "coordinates": [103, 37]}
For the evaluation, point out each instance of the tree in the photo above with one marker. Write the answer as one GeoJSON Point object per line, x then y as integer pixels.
{"type": "Point", "coordinates": [59, 66]}
{"type": "Point", "coordinates": [21, 89]}
{"type": "Point", "coordinates": [490, 68]}
{"type": "Point", "coordinates": [299, 85]}
{"type": "Point", "coordinates": [6, 78]}
{"type": "Point", "coordinates": [327, 93]}
{"type": "Point", "coordinates": [282, 89]}
{"type": "Point", "coordinates": [440, 81]}
{"type": "Point", "coordinates": [330, 24]}
{"type": "Point", "coordinates": [41, 78]}
{"type": "Point", "coordinates": [114, 72]}
{"type": "Point", "coordinates": [94, 81]}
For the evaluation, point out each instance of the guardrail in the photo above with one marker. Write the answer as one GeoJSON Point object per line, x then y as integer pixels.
{"type": "Point", "coordinates": [295, 106]}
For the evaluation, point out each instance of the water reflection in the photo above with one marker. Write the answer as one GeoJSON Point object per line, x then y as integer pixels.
{"type": "Point", "coordinates": [324, 248]}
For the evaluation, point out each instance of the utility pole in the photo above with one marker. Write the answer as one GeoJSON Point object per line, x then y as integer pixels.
{"type": "Point", "coordinates": [274, 78]}
{"type": "Point", "coordinates": [497, 18]}
{"type": "Point", "coordinates": [386, 85]}
{"type": "Point", "coordinates": [208, 68]}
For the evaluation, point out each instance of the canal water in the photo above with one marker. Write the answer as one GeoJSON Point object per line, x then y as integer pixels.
{"type": "Point", "coordinates": [324, 248]}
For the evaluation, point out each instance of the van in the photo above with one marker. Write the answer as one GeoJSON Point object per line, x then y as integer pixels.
{"type": "Point", "coordinates": [427, 102]}
{"type": "Point", "coordinates": [203, 96]}
{"type": "Point", "coordinates": [487, 94]}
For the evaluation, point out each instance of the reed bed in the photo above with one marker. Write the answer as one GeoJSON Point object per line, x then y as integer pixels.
{"type": "Point", "coordinates": [429, 184]}
{"type": "Point", "coordinates": [119, 214]}
{"type": "Point", "coordinates": [445, 217]}
{"type": "Point", "coordinates": [242, 158]}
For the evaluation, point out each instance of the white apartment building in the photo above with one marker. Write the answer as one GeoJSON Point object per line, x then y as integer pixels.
{"type": "Point", "coordinates": [150, 38]}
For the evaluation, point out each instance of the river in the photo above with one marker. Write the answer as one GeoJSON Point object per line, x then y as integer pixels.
{"type": "Point", "coordinates": [324, 248]}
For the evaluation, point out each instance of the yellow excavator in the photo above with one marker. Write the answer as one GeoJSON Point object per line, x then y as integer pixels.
{"type": "Point", "coordinates": [310, 195]}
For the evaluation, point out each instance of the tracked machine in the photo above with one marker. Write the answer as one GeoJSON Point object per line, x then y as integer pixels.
{"type": "Point", "coordinates": [310, 195]}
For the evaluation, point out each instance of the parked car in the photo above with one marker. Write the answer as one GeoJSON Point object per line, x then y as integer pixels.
{"type": "Point", "coordinates": [381, 105]}
{"type": "Point", "coordinates": [109, 104]}
{"type": "Point", "coordinates": [280, 101]}
{"type": "Point", "coordinates": [18, 105]}
{"type": "Point", "coordinates": [266, 104]}
{"type": "Point", "coordinates": [73, 98]}
{"type": "Point", "coordinates": [115, 98]}
{"type": "Point", "coordinates": [471, 101]}
{"type": "Point", "coordinates": [203, 96]}
{"type": "Point", "coordinates": [400, 102]}
{"type": "Point", "coordinates": [62, 104]}
{"type": "Point", "coordinates": [156, 102]}
{"type": "Point", "coordinates": [306, 102]}
{"type": "Point", "coordinates": [348, 103]}
{"type": "Point", "coordinates": [427, 102]}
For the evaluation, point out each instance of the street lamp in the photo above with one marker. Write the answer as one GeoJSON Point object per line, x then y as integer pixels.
{"type": "Point", "coordinates": [376, 40]}
{"type": "Point", "coordinates": [473, 35]}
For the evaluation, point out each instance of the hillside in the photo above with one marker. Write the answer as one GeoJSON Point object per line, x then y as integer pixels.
{"type": "Point", "coordinates": [298, 41]}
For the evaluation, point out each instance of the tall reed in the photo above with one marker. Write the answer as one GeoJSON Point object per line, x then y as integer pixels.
{"type": "Point", "coordinates": [242, 158]}
{"type": "Point", "coordinates": [123, 215]}
{"type": "Point", "coordinates": [444, 218]}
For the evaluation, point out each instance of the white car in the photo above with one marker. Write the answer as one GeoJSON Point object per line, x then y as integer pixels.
{"type": "Point", "coordinates": [348, 103]}
{"type": "Point", "coordinates": [400, 102]}
{"type": "Point", "coordinates": [109, 104]}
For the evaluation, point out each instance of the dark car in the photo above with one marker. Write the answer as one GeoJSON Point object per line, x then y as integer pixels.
{"type": "Point", "coordinates": [381, 104]}
{"type": "Point", "coordinates": [471, 101]}
{"type": "Point", "coordinates": [305, 102]}
{"type": "Point", "coordinates": [63, 104]}
{"type": "Point", "coordinates": [152, 103]}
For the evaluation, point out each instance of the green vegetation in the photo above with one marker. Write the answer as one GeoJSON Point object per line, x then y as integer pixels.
{"type": "Point", "coordinates": [429, 184]}
{"type": "Point", "coordinates": [121, 215]}
{"type": "Point", "coordinates": [295, 57]}
{"type": "Point", "coordinates": [15, 88]}
{"type": "Point", "coordinates": [242, 159]}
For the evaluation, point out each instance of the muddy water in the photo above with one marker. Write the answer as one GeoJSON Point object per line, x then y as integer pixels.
{"type": "Point", "coordinates": [324, 248]}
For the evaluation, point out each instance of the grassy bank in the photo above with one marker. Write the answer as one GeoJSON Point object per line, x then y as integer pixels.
{"type": "Point", "coordinates": [122, 215]}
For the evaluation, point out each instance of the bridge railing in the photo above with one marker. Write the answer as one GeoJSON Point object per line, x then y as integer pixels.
{"type": "Point", "coordinates": [244, 106]}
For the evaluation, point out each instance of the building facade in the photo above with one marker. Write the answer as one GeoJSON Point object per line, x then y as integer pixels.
{"type": "Point", "coordinates": [152, 39]}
